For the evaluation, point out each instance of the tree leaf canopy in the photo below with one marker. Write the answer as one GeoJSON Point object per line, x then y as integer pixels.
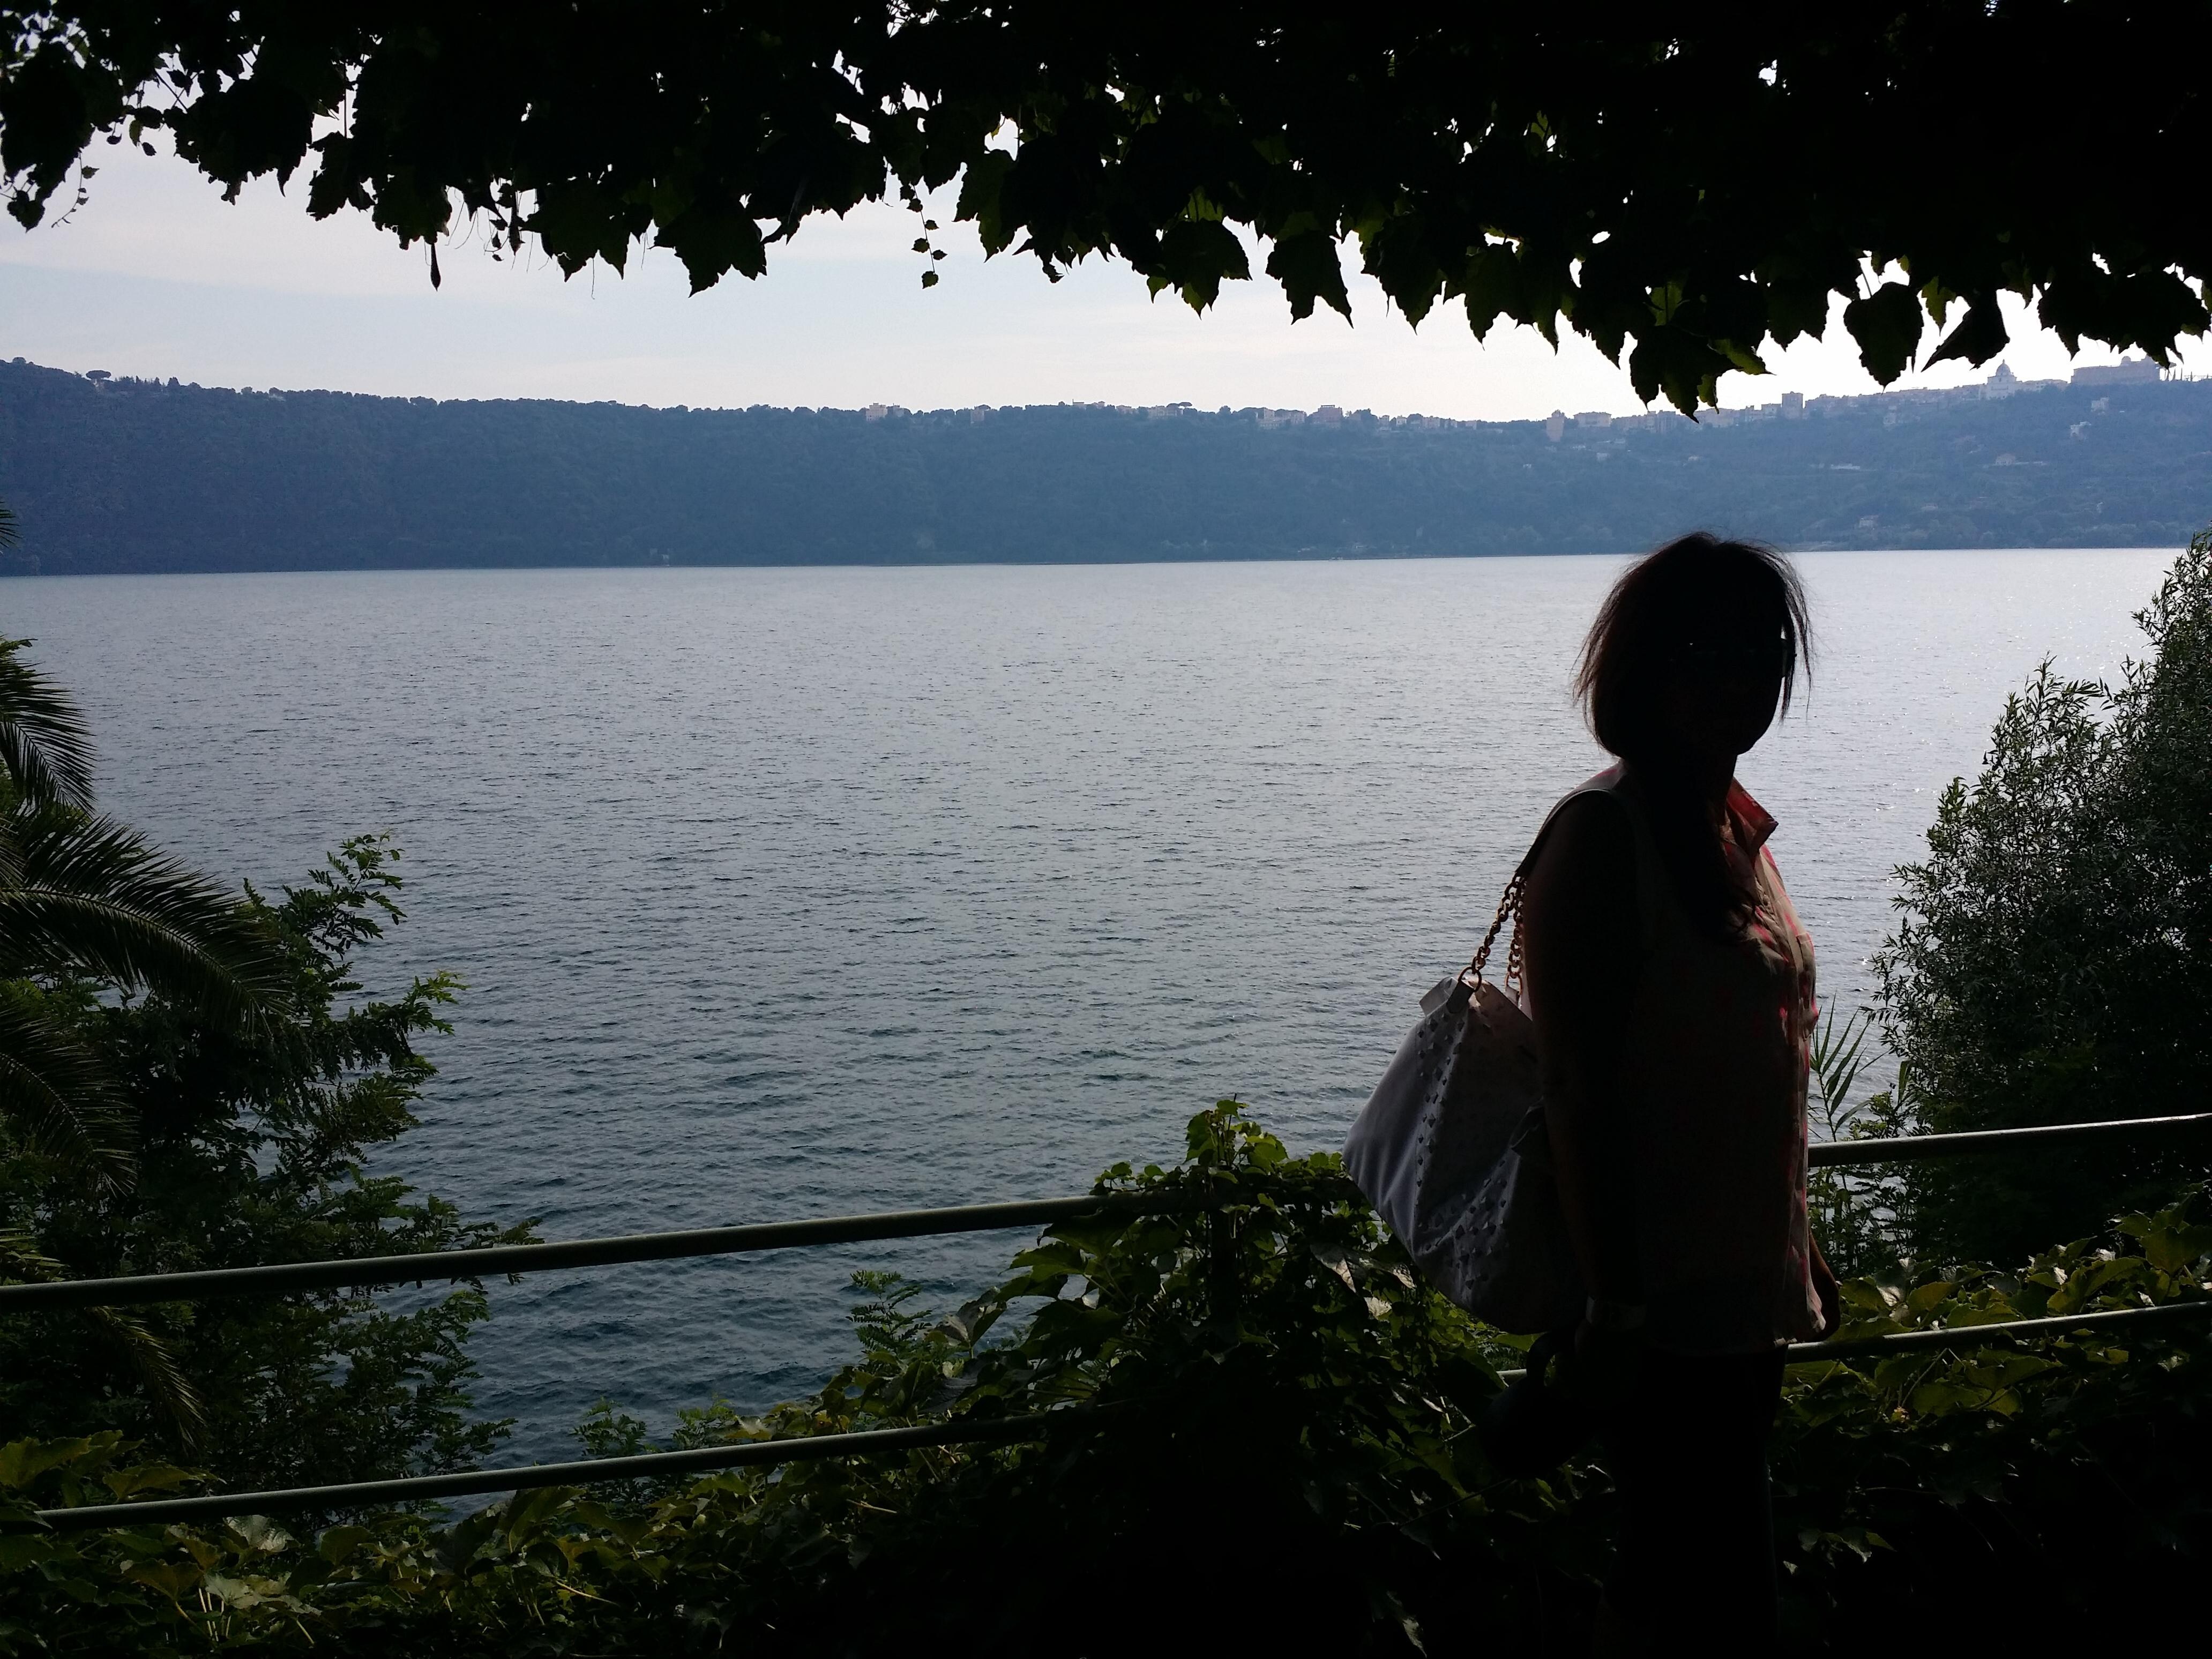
{"type": "Point", "coordinates": [1684, 184]}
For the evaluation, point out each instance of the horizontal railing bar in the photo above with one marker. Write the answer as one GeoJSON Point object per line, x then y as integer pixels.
{"type": "Point", "coordinates": [363, 1494]}
{"type": "Point", "coordinates": [1905, 1149]}
{"type": "Point", "coordinates": [1963, 1336]}
{"type": "Point", "coordinates": [573, 1253]}
{"type": "Point", "coordinates": [1967, 1336]}
{"type": "Point", "coordinates": [365, 1271]}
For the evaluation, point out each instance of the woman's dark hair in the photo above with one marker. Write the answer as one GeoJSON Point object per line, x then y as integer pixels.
{"type": "Point", "coordinates": [1699, 592]}
{"type": "Point", "coordinates": [1674, 598]}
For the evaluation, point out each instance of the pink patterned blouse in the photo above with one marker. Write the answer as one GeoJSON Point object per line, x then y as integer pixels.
{"type": "Point", "coordinates": [1714, 1079]}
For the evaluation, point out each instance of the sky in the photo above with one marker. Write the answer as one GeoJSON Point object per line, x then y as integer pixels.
{"type": "Point", "coordinates": [157, 276]}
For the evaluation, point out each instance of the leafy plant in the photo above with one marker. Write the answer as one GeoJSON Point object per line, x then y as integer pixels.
{"type": "Point", "coordinates": [182, 1084]}
{"type": "Point", "coordinates": [251, 1140]}
{"type": "Point", "coordinates": [1912, 1490]}
{"type": "Point", "coordinates": [1261, 1444]}
{"type": "Point", "coordinates": [1248, 1393]}
{"type": "Point", "coordinates": [1852, 1207]}
{"type": "Point", "coordinates": [2054, 958]}
{"type": "Point", "coordinates": [87, 908]}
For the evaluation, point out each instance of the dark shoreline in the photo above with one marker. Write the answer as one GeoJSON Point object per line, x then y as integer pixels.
{"type": "Point", "coordinates": [145, 477]}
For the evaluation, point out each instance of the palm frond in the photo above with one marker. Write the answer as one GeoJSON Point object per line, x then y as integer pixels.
{"type": "Point", "coordinates": [93, 897]}
{"type": "Point", "coordinates": [1838, 1056]}
{"type": "Point", "coordinates": [56, 1092]}
{"type": "Point", "coordinates": [45, 747]}
{"type": "Point", "coordinates": [168, 1387]}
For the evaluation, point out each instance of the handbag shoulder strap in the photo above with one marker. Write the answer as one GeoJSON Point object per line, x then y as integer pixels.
{"type": "Point", "coordinates": [1509, 909]}
{"type": "Point", "coordinates": [1607, 782]}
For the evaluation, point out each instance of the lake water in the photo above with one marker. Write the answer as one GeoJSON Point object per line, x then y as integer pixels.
{"type": "Point", "coordinates": [806, 891]}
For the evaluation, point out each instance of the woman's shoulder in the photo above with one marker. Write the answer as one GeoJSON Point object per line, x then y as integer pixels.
{"type": "Point", "coordinates": [1613, 793]}
{"type": "Point", "coordinates": [1587, 844]}
{"type": "Point", "coordinates": [1589, 822]}
{"type": "Point", "coordinates": [1595, 810]}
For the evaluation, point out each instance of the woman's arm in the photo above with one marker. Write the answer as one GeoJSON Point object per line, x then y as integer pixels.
{"type": "Point", "coordinates": [1826, 1287]}
{"type": "Point", "coordinates": [1581, 964]}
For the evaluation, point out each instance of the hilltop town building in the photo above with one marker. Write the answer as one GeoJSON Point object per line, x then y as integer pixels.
{"type": "Point", "coordinates": [2004, 383]}
{"type": "Point", "coordinates": [2129, 371]}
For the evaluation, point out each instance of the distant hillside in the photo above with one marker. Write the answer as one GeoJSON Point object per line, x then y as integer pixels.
{"type": "Point", "coordinates": [139, 475]}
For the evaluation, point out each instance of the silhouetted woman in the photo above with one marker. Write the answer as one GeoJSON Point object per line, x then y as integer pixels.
{"type": "Point", "coordinates": [1671, 984]}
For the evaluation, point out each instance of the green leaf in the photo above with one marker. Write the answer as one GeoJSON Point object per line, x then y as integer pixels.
{"type": "Point", "coordinates": [1887, 325]}
{"type": "Point", "coordinates": [1673, 363]}
{"type": "Point", "coordinates": [1493, 287]}
{"type": "Point", "coordinates": [19, 1550]}
{"type": "Point", "coordinates": [1994, 1368]}
{"type": "Point", "coordinates": [45, 747]}
{"type": "Point", "coordinates": [1743, 358]}
{"type": "Point", "coordinates": [525, 1516]}
{"type": "Point", "coordinates": [578, 221]}
{"type": "Point", "coordinates": [22, 1461]}
{"type": "Point", "coordinates": [711, 245]}
{"type": "Point", "coordinates": [258, 1533]}
{"type": "Point", "coordinates": [2170, 1241]}
{"type": "Point", "coordinates": [151, 1477]}
{"type": "Point", "coordinates": [236, 1594]}
{"type": "Point", "coordinates": [171, 1578]}
{"type": "Point", "coordinates": [337, 1544]}
{"type": "Point", "coordinates": [1979, 336]}
{"type": "Point", "coordinates": [1396, 252]}
{"type": "Point", "coordinates": [1865, 1295]}
{"type": "Point", "coordinates": [1196, 257]}
{"type": "Point", "coordinates": [1927, 1297]}
{"type": "Point", "coordinates": [1307, 266]}
{"type": "Point", "coordinates": [1936, 1398]}
{"type": "Point", "coordinates": [981, 188]}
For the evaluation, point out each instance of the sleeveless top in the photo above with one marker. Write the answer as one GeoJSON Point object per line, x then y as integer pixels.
{"type": "Point", "coordinates": [1713, 1079]}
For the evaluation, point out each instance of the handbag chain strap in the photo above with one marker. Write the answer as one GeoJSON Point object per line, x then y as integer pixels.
{"type": "Point", "coordinates": [1509, 909]}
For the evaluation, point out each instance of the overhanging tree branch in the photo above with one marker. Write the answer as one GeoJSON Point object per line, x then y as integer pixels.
{"type": "Point", "coordinates": [1683, 185]}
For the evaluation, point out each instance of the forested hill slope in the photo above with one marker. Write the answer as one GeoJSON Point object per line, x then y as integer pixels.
{"type": "Point", "coordinates": [141, 475]}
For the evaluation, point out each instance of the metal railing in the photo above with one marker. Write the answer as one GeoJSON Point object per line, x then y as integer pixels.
{"type": "Point", "coordinates": [987, 1430]}
{"type": "Point", "coordinates": [592, 1471]}
{"type": "Point", "coordinates": [1960, 1336]}
{"type": "Point", "coordinates": [365, 1271]}
{"type": "Point", "coordinates": [1911, 1149]}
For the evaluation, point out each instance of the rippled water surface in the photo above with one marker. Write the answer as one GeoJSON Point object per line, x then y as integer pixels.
{"type": "Point", "coordinates": [804, 891]}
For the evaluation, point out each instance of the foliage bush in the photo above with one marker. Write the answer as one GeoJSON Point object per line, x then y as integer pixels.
{"type": "Point", "coordinates": [1265, 1443]}
{"type": "Point", "coordinates": [250, 1140]}
{"type": "Point", "coordinates": [2054, 963]}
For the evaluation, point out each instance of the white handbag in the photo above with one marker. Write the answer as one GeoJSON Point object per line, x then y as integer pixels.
{"type": "Point", "coordinates": [1451, 1149]}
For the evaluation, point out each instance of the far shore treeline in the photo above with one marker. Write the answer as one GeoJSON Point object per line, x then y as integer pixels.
{"type": "Point", "coordinates": [121, 475]}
